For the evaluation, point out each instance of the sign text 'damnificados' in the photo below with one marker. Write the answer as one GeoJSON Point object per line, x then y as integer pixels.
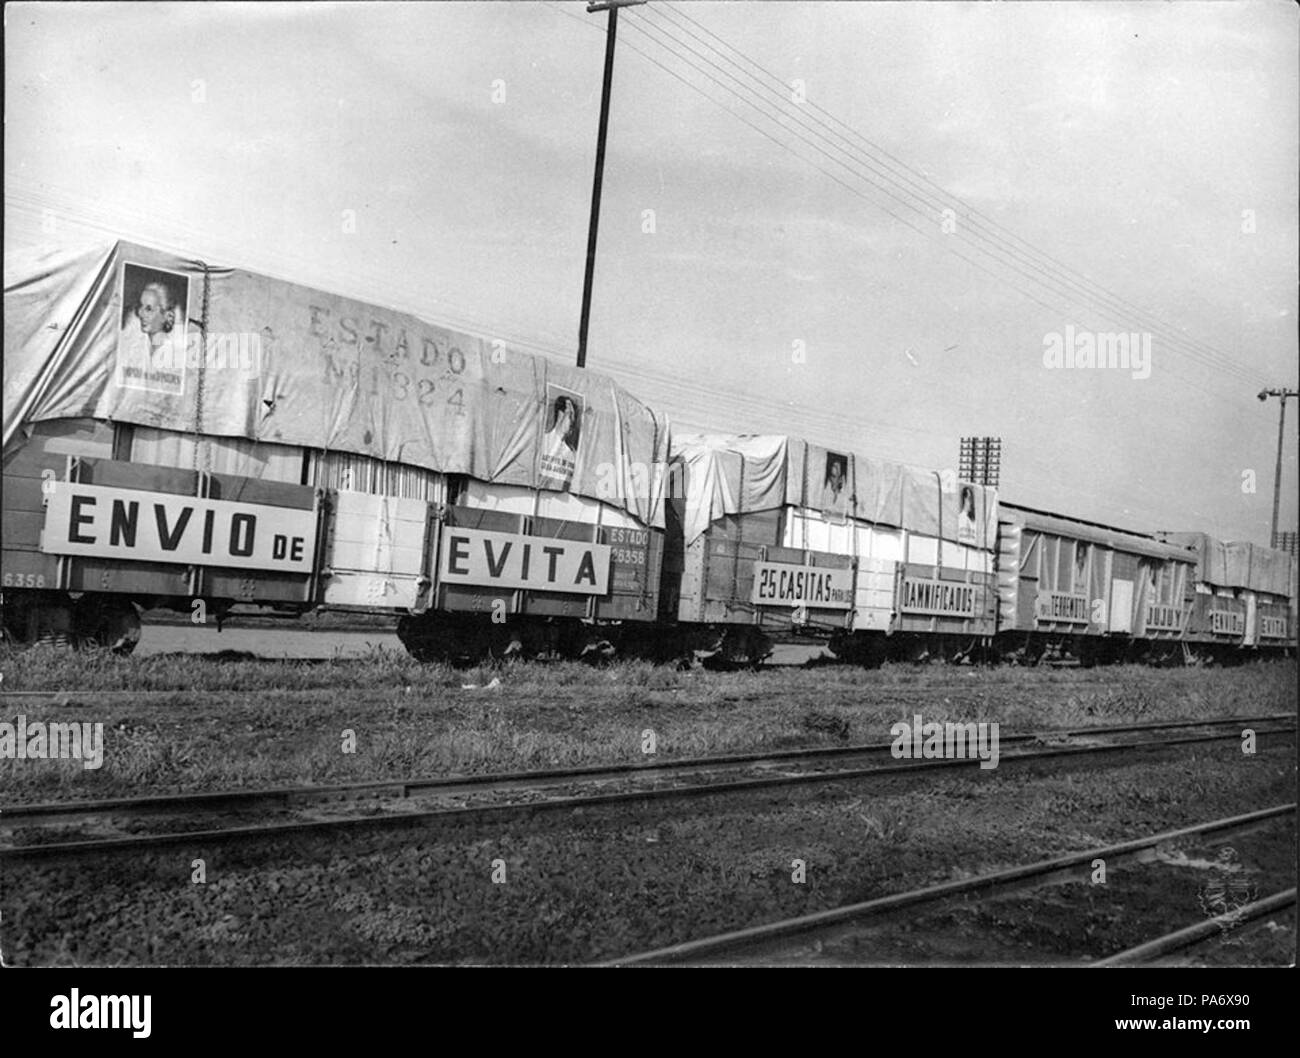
{"type": "Point", "coordinates": [941, 598]}
{"type": "Point", "coordinates": [510, 560]}
{"type": "Point", "coordinates": [139, 526]}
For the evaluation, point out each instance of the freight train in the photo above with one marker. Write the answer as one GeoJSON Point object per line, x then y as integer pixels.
{"type": "Point", "coordinates": [214, 441]}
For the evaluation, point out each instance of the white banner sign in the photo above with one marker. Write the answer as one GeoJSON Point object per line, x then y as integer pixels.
{"type": "Point", "coordinates": [511, 560]}
{"type": "Point", "coordinates": [782, 584]}
{"type": "Point", "coordinates": [940, 598]}
{"type": "Point", "coordinates": [1272, 627]}
{"type": "Point", "coordinates": [1227, 622]}
{"type": "Point", "coordinates": [1164, 617]}
{"type": "Point", "coordinates": [139, 526]}
{"type": "Point", "coordinates": [1060, 606]}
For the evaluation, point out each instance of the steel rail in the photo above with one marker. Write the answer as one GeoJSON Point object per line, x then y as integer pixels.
{"type": "Point", "coordinates": [1190, 935]}
{"type": "Point", "coordinates": [516, 810]}
{"type": "Point", "coordinates": [550, 776]}
{"type": "Point", "coordinates": [1059, 868]}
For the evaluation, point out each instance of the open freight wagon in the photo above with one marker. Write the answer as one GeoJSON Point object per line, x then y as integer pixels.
{"type": "Point", "coordinates": [771, 538]}
{"type": "Point", "coordinates": [198, 438]}
{"type": "Point", "coordinates": [1240, 599]}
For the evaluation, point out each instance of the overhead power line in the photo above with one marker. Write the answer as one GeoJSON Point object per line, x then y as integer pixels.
{"type": "Point", "coordinates": [1043, 271]}
{"type": "Point", "coordinates": [1188, 383]}
{"type": "Point", "coordinates": [913, 178]}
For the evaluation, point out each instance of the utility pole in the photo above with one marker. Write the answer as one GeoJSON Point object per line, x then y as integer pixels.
{"type": "Point", "coordinates": [980, 460]}
{"type": "Point", "coordinates": [1282, 395]}
{"type": "Point", "coordinates": [611, 31]}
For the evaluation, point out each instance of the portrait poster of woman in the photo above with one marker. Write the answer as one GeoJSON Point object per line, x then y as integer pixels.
{"type": "Point", "coordinates": [835, 488]}
{"type": "Point", "coordinates": [563, 433]}
{"type": "Point", "coordinates": [966, 528]}
{"type": "Point", "coordinates": [151, 343]}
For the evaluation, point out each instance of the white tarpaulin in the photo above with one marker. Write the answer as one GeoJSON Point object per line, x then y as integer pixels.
{"type": "Point", "coordinates": [1235, 564]}
{"type": "Point", "coordinates": [728, 474]}
{"type": "Point", "coordinates": [139, 336]}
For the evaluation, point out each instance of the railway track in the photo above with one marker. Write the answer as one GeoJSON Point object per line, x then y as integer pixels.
{"type": "Point", "coordinates": [79, 827]}
{"type": "Point", "coordinates": [775, 941]}
{"type": "Point", "coordinates": [1192, 935]}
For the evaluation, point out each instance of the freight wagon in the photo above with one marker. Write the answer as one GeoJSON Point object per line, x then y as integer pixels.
{"type": "Point", "coordinates": [197, 438]}
{"type": "Point", "coordinates": [203, 439]}
{"type": "Point", "coordinates": [1073, 588]}
{"type": "Point", "coordinates": [1240, 599]}
{"type": "Point", "coordinates": [772, 538]}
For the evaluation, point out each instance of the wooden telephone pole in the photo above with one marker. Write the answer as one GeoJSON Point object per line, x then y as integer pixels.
{"type": "Point", "coordinates": [1282, 395]}
{"type": "Point", "coordinates": [611, 32]}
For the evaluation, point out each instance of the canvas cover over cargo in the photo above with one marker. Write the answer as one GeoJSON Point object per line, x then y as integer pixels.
{"type": "Point", "coordinates": [785, 536]}
{"type": "Point", "coordinates": [1237, 564]}
{"type": "Point", "coordinates": [735, 474]}
{"type": "Point", "coordinates": [250, 356]}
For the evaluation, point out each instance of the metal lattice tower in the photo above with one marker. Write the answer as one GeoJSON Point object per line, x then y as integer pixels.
{"type": "Point", "coordinates": [980, 460]}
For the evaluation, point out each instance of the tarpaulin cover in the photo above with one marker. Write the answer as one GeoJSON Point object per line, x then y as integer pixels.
{"type": "Point", "coordinates": [291, 365]}
{"type": "Point", "coordinates": [1211, 555]}
{"type": "Point", "coordinates": [1261, 568]}
{"type": "Point", "coordinates": [1234, 564]}
{"type": "Point", "coordinates": [733, 474]}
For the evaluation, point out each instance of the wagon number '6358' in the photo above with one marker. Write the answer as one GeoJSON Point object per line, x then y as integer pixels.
{"type": "Point", "coordinates": [21, 580]}
{"type": "Point", "coordinates": [633, 545]}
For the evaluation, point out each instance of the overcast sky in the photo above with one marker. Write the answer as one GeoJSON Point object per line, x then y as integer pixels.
{"type": "Point", "coordinates": [816, 288]}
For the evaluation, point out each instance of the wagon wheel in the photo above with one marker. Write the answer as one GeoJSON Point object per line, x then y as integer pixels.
{"type": "Point", "coordinates": [47, 619]}
{"type": "Point", "coordinates": [107, 624]}
{"type": "Point", "coordinates": [747, 649]}
{"type": "Point", "coordinates": [420, 639]}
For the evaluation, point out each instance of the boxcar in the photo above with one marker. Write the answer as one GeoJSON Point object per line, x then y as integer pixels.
{"type": "Point", "coordinates": [1074, 588]}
